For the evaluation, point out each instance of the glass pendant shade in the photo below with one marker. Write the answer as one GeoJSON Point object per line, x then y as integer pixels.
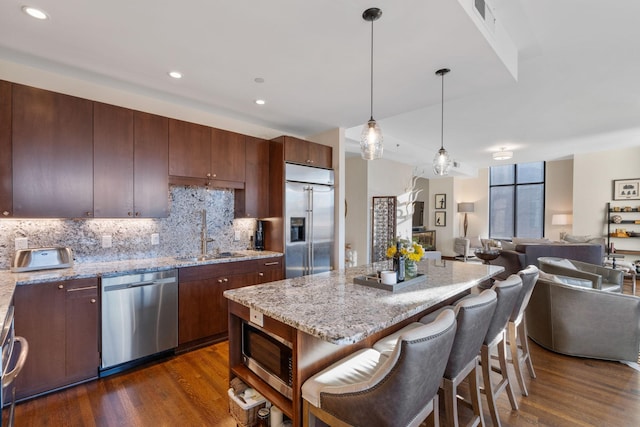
{"type": "Point", "coordinates": [441, 162]}
{"type": "Point", "coordinates": [371, 141]}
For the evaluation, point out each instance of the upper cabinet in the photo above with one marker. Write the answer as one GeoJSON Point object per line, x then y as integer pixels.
{"type": "Point", "coordinates": [130, 163]}
{"type": "Point", "coordinates": [253, 201]}
{"type": "Point", "coordinates": [202, 155]}
{"type": "Point", "coordinates": [6, 175]}
{"type": "Point", "coordinates": [150, 165]}
{"type": "Point", "coordinates": [52, 154]}
{"type": "Point", "coordinates": [306, 152]}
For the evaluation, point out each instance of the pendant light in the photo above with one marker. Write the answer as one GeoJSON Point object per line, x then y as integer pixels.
{"type": "Point", "coordinates": [371, 137]}
{"type": "Point", "coordinates": [442, 161]}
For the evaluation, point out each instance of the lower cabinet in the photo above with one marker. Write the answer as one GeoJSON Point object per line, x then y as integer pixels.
{"type": "Point", "coordinates": [60, 322]}
{"type": "Point", "coordinates": [202, 307]}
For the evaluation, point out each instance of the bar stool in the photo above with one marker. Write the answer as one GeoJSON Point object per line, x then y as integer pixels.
{"type": "Point", "coordinates": [473, 315]}
{"type": "Point", "coordinates": [517, 328]}
{"type": "Point", "coordinates": [508, 291]}
{"type": "Point", "coordinates": [372, 389]}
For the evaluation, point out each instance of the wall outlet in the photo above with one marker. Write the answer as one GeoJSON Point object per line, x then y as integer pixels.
{"type": "Point", "coordinates": [106, 241]}
{"type": "Point", "coordinates": [155, 239]}
{"type": "Point", "coordinates": [236, 235]}
{"type": "Point", "coordinates": [21, 243]}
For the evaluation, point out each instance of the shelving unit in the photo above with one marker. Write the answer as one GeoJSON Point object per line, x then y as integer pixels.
{"type": "Point", "coordinates": [630, 217]}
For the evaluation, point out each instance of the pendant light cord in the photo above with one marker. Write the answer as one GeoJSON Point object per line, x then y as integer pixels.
{"type": "Point", "coordinates": [371, 107]}
{"type": "Point", "coordinates": [442, 115]}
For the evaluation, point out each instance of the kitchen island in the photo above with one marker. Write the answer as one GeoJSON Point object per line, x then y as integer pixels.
{"type": "Point", "coordinates": [326, 316]}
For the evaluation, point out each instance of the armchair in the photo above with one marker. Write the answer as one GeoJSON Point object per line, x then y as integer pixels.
{"type": "Point", "coordinates": [584, 322]}
{"type": "Point", "coordinates": [466, 246]}
{"type": "Point", "coordinates": [602, 278]}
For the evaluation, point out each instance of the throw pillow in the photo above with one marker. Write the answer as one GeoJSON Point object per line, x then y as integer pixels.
{"type": "Point", "coordinates": [521, 240]}
{"type": "Point", "coordinates": [507, 245]}
{"type": "Point", "coordinates": [562, 262]}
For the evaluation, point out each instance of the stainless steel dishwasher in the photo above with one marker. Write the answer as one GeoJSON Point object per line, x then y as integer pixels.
{"type": "Point", "coordinates": [139, 318]}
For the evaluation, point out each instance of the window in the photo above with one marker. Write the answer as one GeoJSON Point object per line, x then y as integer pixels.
{"type": "Point", "coordinates": [516, 201]}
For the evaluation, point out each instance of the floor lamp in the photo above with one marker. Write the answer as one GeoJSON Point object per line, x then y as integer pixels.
{"type": "Point", "coordinates": [466, 207]}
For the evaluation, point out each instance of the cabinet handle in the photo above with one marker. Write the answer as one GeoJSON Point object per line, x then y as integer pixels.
{"type": "Point", "coordinates": [6, 213]}
{"type": "Point", "coordinates": [219, 280]}
{"type": "Point", "coordinates": [261, 274]}
{"type": "Point", "coordinates": [224, 279]}
{"type": "Point", "coordinates": [89, 213]}
{"type": "Point", "coordinates": [61, 286]}
{"type": "Point", "coordinates": [129, 213]}
{"type": "Point", "coordinates": [272, 263]}
{"type": "Point", "coordinates": [137, 213]}
{"type": "Point", "coordinates": [208, 175]}
{"type": "Point", "coordinates": [84, 288]}
{"type": "Point", "coordinates": [214, 175]}
{"type": "Point", "coordinates": [92, 300]}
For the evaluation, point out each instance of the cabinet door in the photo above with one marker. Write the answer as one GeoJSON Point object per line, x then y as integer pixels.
{"type": "Point", "coordinates": [296, 150]}
{"type": "Point", "coordinates": [52, 154]}
{"type": "Point", "coordinates": [6, 178]}
{"type": "Point", "coordinates": [200, 306]}
{"type": "Point", "coordinates": [270, 270]}
{"type": "Point", "coordinates": [227, 155]}
{"type": "Point", "coordinates": [112, 161]}
{"type": "Point", "coordinates": [189, 149]}
{"type": "Point", "coordinates": [151, 165]}
{"type": "Point", "coordinates": [82, 357]}
{"type": "Point", "coordinates": [40, 318]}
{"type": "Point", "coordinates": [320, 155]}
{"type": "Point", "coordinates": [253, 200]}
{"type": "Point", "coordinates": [307, 152]}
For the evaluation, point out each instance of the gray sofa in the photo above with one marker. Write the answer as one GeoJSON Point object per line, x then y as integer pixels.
{"type": "Point", "coordinates": [585, 322]}
{"type": "Point", "coordinates": [528, 253]}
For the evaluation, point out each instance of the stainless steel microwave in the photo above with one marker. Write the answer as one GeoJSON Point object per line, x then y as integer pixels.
{"type": "Point", "coordinates": [269, 357]}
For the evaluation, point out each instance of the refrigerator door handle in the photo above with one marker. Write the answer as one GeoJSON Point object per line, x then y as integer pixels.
{"type": "Point", "coordinates": [310, 240]}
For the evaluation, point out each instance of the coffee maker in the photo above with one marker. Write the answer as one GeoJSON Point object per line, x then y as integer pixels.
{"type": "Point", "coordinates": [259, 236]}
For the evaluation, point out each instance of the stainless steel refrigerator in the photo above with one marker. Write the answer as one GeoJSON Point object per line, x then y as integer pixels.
{"type": "Point", "coordinates": [309, 220]}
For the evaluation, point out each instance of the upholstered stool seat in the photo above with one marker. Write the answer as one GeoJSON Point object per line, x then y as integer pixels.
{"type": "Point", "coordinates": [473, 315]}
{"type": "Point", "coordinates": [370, 388]}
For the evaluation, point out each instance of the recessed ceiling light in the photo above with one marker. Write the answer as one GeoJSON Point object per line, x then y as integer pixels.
{"type": "Point", "coordinates": [258, 80]}
{"type": "Point", "coordinates": [175, 74]}
{"type": "Point", "coordinates": [260, 101]}
{"type": "Point", "coordinates": [34, 12]}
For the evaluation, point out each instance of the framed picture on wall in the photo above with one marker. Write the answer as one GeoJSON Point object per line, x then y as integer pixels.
{"type": "Point", "coordinates": [441, 201]}
{"type": "Point", "coordinates": [441, 219]}
{"type": "Point", "coordinates": [626, 189]}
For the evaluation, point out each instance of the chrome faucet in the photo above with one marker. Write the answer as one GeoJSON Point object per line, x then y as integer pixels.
{"type": "Point", "coordinates": [203, 234]}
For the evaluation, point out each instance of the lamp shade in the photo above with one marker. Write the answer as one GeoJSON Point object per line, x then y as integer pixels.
{"type": "Point", "coordinates": [562, 219]}
{"type": "Point", "coordinates": [466, 207]}
{"type": "Point", "coordinates": [502, 155]}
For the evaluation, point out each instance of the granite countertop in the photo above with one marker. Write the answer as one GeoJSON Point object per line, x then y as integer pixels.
{"type": "Point", "coordinates": [331, 307]}
{"type": "Point", "coordinates": [9, 280]}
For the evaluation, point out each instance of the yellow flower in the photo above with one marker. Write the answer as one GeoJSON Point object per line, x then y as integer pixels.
{"type": "Point", "coordinates": [412, 251]}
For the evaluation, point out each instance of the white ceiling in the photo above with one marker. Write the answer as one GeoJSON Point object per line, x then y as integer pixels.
{"type": "Point", "coordinates": [577, 87]}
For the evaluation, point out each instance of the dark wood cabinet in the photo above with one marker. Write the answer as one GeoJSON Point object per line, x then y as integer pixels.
{"type": "Point", "coordinates": [201, 155]}
{"type": "Point", "coordinates": [60, 322]}
{"type": "Point", "coordinates": [112, 161]}
{"type": "Point", "coordinates": [130, 163]}
{"type": "Point", "coordinates": [189, 149]}
{"type": "Point", "coordinates": [227, 155]}
{"type": "Point", "coordinates": [253, 200]}
{"type": "Point", "coordinates": [6, 171]}
{"type": "Point", "coordinates": [52, 153]}
{"type": "Point", "coordinates": [306, 152]}
{"type": "Point", "coordinates": [202, 307]}
{"type": "Point", "coordinates": [150, 165]}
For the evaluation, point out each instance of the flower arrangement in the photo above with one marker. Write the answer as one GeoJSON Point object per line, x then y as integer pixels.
{"type": "Point", "coordinates": [411, 250]}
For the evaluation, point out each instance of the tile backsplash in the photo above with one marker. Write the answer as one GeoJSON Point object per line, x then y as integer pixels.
{"type": "Point", "coordinates": [131, 238]}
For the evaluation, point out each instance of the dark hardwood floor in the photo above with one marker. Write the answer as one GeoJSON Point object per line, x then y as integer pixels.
{"type": "Point", "coordinates": [190, 390]}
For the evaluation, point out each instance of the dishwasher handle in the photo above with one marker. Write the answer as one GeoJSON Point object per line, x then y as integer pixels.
{"type": "Point", "coordinates": [167, 280]}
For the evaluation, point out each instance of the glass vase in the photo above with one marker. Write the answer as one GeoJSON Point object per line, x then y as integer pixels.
{"type": "Point", "coordinates": [410, 269]}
